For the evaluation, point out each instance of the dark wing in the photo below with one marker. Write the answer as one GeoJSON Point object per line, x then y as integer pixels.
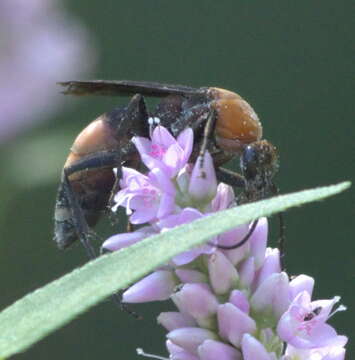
{"type": "Point", "coordinates": [126, 88]}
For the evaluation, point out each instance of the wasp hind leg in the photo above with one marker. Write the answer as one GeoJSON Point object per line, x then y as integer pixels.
{"type": "Point", "coordinates": [75, 223]}
{"type": "Point", "coordinates": [84, 233]}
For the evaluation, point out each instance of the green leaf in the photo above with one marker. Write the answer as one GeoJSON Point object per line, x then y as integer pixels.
{"type": "Point", "coordinates": [36, 315]}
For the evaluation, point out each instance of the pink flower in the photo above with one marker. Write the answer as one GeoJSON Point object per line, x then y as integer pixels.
{"type": "Point", "coordinates": [304, 326]}
{"type": "Point", "coordinates": [149, 197]}
{"type": "Point", "coordinates": [165, 152]}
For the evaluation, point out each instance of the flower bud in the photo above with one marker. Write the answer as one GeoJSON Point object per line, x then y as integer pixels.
{"type": "Point", "coordinates": [177, 352]}
{"type": "Point", "coordinates": [301, 283]}
{"type": "Point", "coordinates": [270, 266]}
{"type": "Point", "coordinates": [213, 350]}
{"type": "Point", "coordinates": [198, 301]}
{"type": "Point", "coordinates": [223, 275]}
{"type": "Point", "coordinates": [203, 183]}
{"type": "Point", "coordinates": [239, 299]}
{"type": "Point", "coordinates": [258, 241]}
{"type": "Point", "coordinates": [190, 338]}
{"type": "Point", "coordinates": [247, 273]}
{"type": "Point", "coordinates": [155, 287]}
{"type": "Point", "coordinates": [173, 320]}
{"type": "Point", "coordinates": [252, 349]}
{"type": "Point", "coordinates": [271, 299]}
{"type": "Point", "coordinates": [233, 323]}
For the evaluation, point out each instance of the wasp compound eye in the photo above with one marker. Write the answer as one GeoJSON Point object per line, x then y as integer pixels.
{"type": "Point", "coordinates": [249, 162]}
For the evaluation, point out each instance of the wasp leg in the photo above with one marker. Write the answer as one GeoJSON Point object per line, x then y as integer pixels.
{"type": "Point", "coordinates": [207, 136]}
{"type": "Point", "coordinates": [82, 226]}
{"type": "Point", "coordinates": [133, 120]}
{"type": "Point", "coordinates": [78, 218]}
{"type": "Point", "coordinates": [230, 177]}
{"type": "Point", "coordinates": [71, 218]}
{"type": "Point", "coordinates": [130, 227]}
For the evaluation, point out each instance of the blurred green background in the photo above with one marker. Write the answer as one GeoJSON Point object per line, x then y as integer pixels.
{"type": "Point", "coordinates": [291, 60]}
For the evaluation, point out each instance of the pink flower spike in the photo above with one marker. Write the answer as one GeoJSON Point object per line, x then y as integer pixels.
{"type": "Point", "coordinates": [203, 183]}
{"type": "Point", "coordinates": [198, 301]}
{"type": "Point", "coordinates": [234, 323]}
{"type": "Point", "coordinates": [252, 349]}
{"type": "Point", "coordinates": [190, 338]}
{"type": "Point", "coordinates": [213, 350]}
{"type": "Point", "coordinates": [120, 241]}
{"type": "Point", "coordinates": [222, 274]}
{"type": "Point", "coordinates": [177, 352]}
{"type": "Point", "coordinates": [173, 320]}
{"type": "Point", "coordinates": [303, 325]}
{"type": "Point", "coordinates": [155, 287]}
{"type": "Point", "coordinates": [301, 283]}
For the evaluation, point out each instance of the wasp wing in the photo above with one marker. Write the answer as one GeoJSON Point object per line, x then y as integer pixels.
{"type": "Point", "coordinates": [126, 88]}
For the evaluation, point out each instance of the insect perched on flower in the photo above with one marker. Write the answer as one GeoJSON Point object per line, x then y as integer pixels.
{"type": "Point", "coordinates": [222, 123]}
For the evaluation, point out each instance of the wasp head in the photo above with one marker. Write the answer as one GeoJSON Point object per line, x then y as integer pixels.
{"type": "Point", "coordinates": [259, 163]}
